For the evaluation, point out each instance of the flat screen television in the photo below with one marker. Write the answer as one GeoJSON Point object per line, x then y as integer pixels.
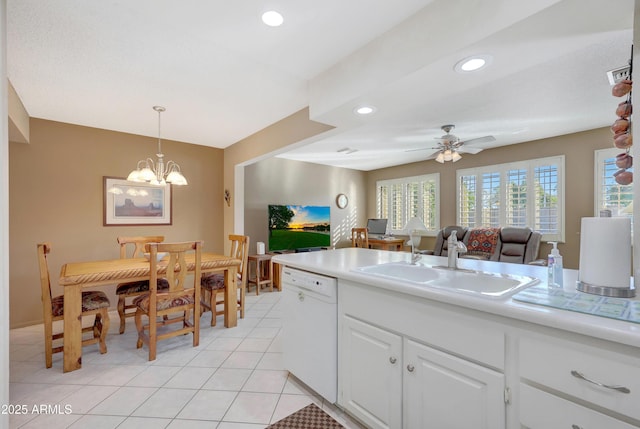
{"type": "Point", "coordinates": [298, 227]}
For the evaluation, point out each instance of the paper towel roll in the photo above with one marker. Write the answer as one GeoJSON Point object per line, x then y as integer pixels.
{"type": "Point", "coordinates": [260, 245]}
{"type": "Point", "coordinates": [605, 252]}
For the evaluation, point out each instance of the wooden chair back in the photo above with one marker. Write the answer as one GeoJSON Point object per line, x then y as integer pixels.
{"type": "Point", "coordinates": [360, 237]}
{"type": "Point", "coordinates": [240, 250]}
{"type": "Point", "coordinates": [137, 245]}
{"type": "Point", "coordinates": [45, 281]}
{"type": "Point", "coordinates": [176, 272]}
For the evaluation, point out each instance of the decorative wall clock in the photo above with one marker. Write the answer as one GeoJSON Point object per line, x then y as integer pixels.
{"type": "Point", "coordinates": [342, 201]}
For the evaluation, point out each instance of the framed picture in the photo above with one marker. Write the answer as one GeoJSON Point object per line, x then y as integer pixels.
{"type": "Point", "coordinates": [131, 203]}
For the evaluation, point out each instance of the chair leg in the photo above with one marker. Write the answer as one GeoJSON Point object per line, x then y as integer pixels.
{"type": "Point", "coordinates": [196, 326]}
{"type": "Point", "coordinates": [213, 307]}
{"type": "Point", "coordinates": [48, 345]}
{"type": "Point", "coordinates": [139, 327]}
{"type": "Point", "coordinates": [104, 328]}
{"type": "Point", "coordinates": [242, 294]}
{"type": "Point", "coordinates": [121, 303]}
{"type": "Point", "coordinates": [97, 325]}
{"type": "Point", "coordinates": [153, 339]}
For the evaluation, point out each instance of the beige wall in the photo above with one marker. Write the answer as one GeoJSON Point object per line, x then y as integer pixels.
{"type": "Point", "coordinates": [56, 194]}
{"type": "Point", "coordinates": [579, 182]}
{"type": "Point", "coordinates": [282, 181]}
{"type": "Point", "coordinates": [274, 138]}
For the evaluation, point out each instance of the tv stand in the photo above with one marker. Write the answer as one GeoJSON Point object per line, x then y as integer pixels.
{"type": "Point", "coordinates": [309, 249]}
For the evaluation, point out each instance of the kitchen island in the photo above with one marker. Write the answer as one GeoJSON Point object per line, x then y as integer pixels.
{"type": "Point", "coordinates": [413, 356]}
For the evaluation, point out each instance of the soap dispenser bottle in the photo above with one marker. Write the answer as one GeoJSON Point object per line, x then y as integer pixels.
{"type": "Point", "coordinates": [554, 266]}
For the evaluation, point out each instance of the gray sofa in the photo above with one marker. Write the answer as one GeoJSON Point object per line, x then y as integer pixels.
{"type": "Point", "coordinates": [519, 245]}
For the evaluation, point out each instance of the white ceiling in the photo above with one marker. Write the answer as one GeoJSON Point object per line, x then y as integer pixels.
{"type": "Point", "coordinates": [223, 75]}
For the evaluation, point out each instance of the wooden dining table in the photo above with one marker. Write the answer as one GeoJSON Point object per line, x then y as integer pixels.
{"type": "Point", "coordinates": [78, 275]}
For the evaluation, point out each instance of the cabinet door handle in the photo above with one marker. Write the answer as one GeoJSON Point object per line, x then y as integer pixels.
{"type": "Point", "coordinates": [393, 359]}
{"type": "Point", "coordinates": [410, 368]}
{"type": "Point", "coordinates": [581, 376]}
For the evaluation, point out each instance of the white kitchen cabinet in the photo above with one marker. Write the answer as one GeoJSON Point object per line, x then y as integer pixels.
{"type": "Point", "coordinates": [443, 391]}
{"type": "Point", "coordinates": [388, 381]}
{"type": "Point", "coordinates": [370, 374]}
{"type": "Point", "coordinates": [403, 364]}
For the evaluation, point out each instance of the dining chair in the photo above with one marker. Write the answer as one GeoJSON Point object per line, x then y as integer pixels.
{"type": "Point", "coordinates": [129, 290]}
{"type": "Point", "coordinates": [213, 284]}
{"type": "Point", "coordinates": [360, 237]}
{"type": "Point", "coordinates": [94, 303]}
{"type": "Point", "coordinates": [180, 298]}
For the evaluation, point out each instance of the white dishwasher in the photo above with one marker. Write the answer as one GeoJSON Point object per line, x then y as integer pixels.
{"type": "Point", "coordinates": [310, 330]}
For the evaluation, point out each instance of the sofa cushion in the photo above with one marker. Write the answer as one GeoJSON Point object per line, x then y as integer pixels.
{"type": "Point", "coordinates": [482, 242]}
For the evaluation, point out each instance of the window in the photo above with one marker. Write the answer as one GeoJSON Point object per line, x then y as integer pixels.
{"type": "Point", "coordinates": [526, 193]}
{"type": "Point", "coordinates": [609, 194]}
{"type": "Point", "coordinates": [402, 199]}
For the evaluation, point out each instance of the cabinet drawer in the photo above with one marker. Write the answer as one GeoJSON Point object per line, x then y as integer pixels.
{"type": "Point", "coordinates": [541, 410]}
{"type": "Point", "coordinates": [591, 373]}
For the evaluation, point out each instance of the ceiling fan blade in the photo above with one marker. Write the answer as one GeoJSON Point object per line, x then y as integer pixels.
{"type": "Point", "coordinates": [437, 149]}
{"type": "Point", "coordinates": [432, 154]}
{"type": "Point", "coordinates": [471, 150]}
{"type": "Point", "coordinates": [485, 139]}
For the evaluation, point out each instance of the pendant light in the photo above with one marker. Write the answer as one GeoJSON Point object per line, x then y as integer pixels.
{"type": "Point", "coordinates": [157, 173]}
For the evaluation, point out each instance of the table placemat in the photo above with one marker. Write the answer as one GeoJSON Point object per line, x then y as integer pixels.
{"type": "Point", "coordinates": [613, 308]}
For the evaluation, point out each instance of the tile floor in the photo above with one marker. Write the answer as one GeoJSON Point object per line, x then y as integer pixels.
{"type": "Point", "coordinates": [233, 380]}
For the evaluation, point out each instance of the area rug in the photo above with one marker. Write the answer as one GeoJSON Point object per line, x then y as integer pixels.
{"type": "Point", "coordinates": [309, 417]}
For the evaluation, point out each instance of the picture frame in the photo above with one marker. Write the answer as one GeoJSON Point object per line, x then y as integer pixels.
{"type": "Point", "coordinates": [132, 203]}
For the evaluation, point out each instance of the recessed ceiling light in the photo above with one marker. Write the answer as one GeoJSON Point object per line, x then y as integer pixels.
{"type": "Point", "coordinates": [364, 110]}
{"type": "Point", "coordinates": [474, 63]}
{"type": "Point", "coordinates": [272, 18]}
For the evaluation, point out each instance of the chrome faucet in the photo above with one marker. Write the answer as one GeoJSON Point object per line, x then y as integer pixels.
{"type": "Point", "coordinates": [453, 248]}
{"type": "Point", "coordinates": [415, 256]}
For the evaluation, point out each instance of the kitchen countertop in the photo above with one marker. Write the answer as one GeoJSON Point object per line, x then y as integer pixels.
{"type": "Point", "coordinates": [340, 263]}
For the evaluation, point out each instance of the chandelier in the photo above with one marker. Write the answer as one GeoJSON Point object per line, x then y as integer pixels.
{"type": "Point", "coordinates": [157, 173]}
{"type": "Point", "coordinates": [448, 154]}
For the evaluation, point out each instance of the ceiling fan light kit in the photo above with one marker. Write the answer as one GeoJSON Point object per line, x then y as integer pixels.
{"type": "Point", "coordinates": [450, 146]}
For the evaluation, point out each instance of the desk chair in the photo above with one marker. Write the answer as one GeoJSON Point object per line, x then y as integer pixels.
{"type": "Point", "coordinates": [129, 290]}
{"type": "Point", "coordinates": [360, 237]}
{"type": "Point", "coordinates": [94, 303]}
{"type": "Point", "coordinates": [180, 297]}
{"type": "Point", "coordinates": [213, 285]}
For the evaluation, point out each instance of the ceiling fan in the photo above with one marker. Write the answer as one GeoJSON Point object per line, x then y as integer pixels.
{"type": "Point", "coordinates": [449, 147]}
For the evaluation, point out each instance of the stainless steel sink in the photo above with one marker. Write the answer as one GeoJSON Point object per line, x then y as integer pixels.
{"type": "Point", "coordinates": [482, 283]}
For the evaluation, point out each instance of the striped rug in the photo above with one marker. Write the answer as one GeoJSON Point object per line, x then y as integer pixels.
{"type": "Point", "coordinates": [309, 417]}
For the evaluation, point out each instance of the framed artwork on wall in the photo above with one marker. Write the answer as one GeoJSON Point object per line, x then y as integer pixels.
{"type": "Point", "coordinates": [132, 203]}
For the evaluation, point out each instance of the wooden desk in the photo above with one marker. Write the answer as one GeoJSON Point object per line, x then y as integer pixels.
{"type": "Point", "coordinates": [77, 275]}
{"type": "Point", "coordinates": [387, 243]}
